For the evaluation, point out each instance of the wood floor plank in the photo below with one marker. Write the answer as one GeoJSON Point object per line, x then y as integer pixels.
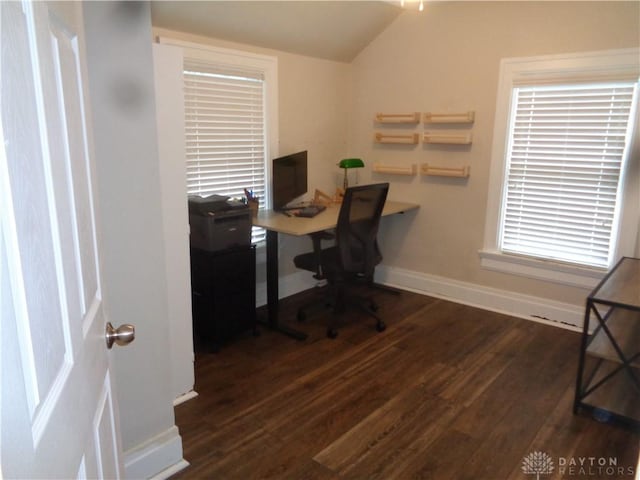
{"type": "Point", "coordinates": [390, 438]}
{"type": "Point", "coordinates": [530, 374]}
{"type": "Point", "coordinates": [536, 378]}
{"type": "Point", "coordinates": [446, 392]}
{"type": "Point", "coordinates": [443, 460]}
{"type": "Point", "coordinates": [559, 436]}
{"type": "Point", "coordinates": [374, 433]}
{"type": "Point", "coordinates": [312, 470]}
{"type": "Point", "coordinates": [480, 368]}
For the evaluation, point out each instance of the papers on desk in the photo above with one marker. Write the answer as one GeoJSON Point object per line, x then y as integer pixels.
{"type": "Point", "coordinates": [307, 212]}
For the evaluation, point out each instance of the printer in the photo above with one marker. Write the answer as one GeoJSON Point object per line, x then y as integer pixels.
{"type": "Point", "coordinates": [218, 223]}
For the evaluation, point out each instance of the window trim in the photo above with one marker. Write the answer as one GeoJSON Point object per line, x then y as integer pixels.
{"type": "Point", "coordinates": [620, 64]}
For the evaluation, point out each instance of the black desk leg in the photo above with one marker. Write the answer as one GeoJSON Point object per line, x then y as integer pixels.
{"type": "Point", "coordinates": [272, 289]}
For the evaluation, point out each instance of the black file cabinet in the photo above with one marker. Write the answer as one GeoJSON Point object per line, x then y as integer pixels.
{"type": "Point", "coordinates": [223, 287]}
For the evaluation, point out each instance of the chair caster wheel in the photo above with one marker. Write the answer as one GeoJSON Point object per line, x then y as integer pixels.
{"type": "Point", "coordinates": [332, 333]}
{"type": "Point", "coordinates": [381, 327]}
{"type": "Point", "coordinates": [301, 316]}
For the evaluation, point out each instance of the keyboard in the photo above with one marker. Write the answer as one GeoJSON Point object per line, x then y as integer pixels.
{"type": "Point", "coordinates": [310, 211]}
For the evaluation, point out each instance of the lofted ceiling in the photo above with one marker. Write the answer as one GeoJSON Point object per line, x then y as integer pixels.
{"type": "Point", "coordinates": [334, 30]}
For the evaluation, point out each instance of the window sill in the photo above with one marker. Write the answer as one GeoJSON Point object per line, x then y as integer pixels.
{"type": "Point", "coordinates": [550, 271]}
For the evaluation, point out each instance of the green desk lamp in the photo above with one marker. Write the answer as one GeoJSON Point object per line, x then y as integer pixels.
{"type": "Point", "coordinates": [347, 163]}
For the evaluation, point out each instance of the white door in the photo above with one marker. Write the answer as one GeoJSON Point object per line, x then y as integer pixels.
{"type": "Point", "coordinates": [58, 413]}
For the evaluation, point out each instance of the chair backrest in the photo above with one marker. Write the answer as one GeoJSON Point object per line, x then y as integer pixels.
{"type": "Point", "coordinates": [357, 228]}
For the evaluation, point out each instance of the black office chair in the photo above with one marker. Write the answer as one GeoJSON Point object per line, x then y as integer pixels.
{"type": "Point", "coordinates": [353, 258]}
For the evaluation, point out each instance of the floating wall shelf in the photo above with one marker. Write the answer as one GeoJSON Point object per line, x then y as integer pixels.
{"type": "Point", "coordinates": [413, 117]}
{"type": "Point", "coordinates": [466, 117]}
{"type": "Point", "coordinates": [447, 138]}
{"type": "Point", "coordinates": [394, 170]}
{"type": "Point", "coordinates": [407, 138]}
{"type": "Point", "coordinates": [433, 171]}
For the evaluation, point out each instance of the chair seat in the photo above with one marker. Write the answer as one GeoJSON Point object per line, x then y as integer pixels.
{"type": "Point", "coordinates": [329, 261]}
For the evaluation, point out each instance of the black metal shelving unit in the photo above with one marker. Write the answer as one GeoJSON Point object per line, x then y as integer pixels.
{"type": "Point", "coordinates": [608, 380]}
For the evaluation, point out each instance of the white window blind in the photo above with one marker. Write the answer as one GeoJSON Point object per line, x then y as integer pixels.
{"type": "Point", "coordinates": [565, 156]}
{"type": "Point", "coordinates": [225, 129]}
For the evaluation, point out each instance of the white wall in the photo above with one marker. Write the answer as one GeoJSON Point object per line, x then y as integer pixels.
{"type": "Point", "coordinates": [446, 59]}
{"type": "Point", "coordinates": [129, 197]}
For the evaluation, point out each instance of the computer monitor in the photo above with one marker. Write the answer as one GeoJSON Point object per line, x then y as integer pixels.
{"type": "Point", "coordinates": [289, 179]}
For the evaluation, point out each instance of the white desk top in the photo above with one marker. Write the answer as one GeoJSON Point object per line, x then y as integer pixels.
{"type": "Point", "coordinates": [279, 222]}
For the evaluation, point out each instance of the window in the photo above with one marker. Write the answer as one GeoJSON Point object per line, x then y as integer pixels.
{"type": "Point", "coordinates": [561, 144]}
{"type": "Point", "coordinates": [224, 130]}
{"type": "Point", "coordinates": [230, 100]}
{"type": "Point", "coordinates": [564, 159]}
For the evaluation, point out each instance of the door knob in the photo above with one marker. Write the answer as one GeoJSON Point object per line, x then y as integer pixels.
{"type": "Point", "coordinates": [122, 335]}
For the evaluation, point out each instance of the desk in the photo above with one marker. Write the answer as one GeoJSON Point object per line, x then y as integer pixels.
{"type": "Point", "coordinates": [276, 222]}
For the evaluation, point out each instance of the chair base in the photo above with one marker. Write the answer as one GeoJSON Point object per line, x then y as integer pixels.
{"type": "Point", "coordinates": [335, 299]}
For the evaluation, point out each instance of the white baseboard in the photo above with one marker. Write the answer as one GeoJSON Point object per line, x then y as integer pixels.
{"type": "Point", "coordinates": [538, 309]}
{"type": "Point", "coordinates": [172, 470]}
{"type": "Point", "coordinates": [184, 397]}
{"type": "Point", "coordinates": [158, 456]}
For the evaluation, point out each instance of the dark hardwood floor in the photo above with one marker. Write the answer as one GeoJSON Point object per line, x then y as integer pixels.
{"type": "Point", "coordinates": [446, 392]}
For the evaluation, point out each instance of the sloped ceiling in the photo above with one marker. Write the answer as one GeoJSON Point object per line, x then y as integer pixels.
{"type": "Point", "coordinates": [333, 30]}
